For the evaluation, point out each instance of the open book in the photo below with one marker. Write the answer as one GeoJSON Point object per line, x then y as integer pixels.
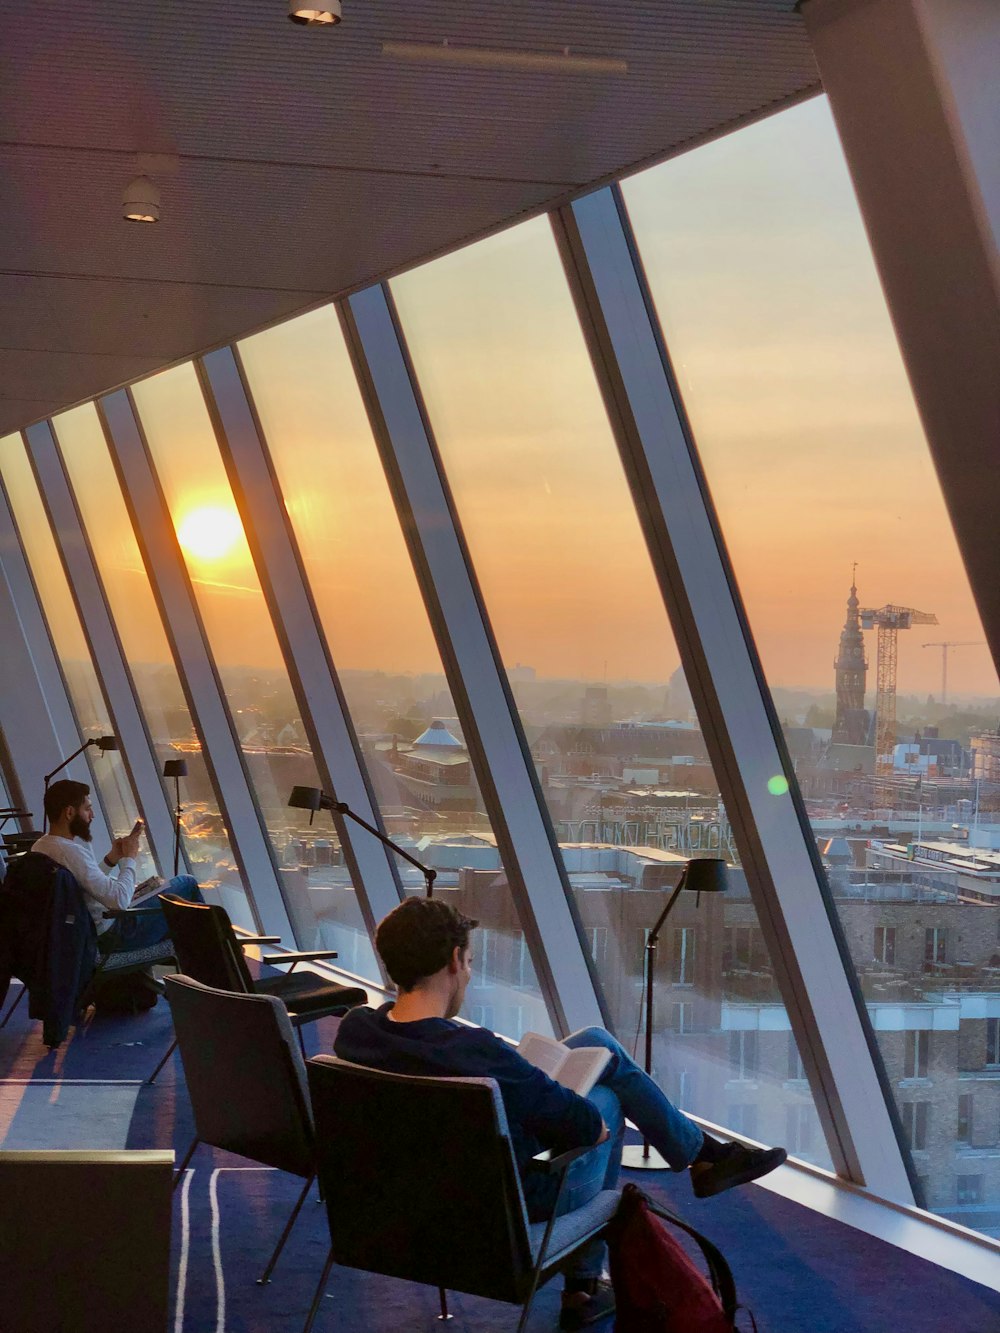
{"type": "Point", "coordinates": [577, 1070]}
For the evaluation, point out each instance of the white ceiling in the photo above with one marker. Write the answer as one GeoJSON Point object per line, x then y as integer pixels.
{"type": "Point", "coordinates": [304, 163]}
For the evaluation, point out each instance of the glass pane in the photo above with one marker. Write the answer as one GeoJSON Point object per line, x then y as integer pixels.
{"type": "Point", "coordinates": [806, 426]}
{"type": "Point", "coordinates": [130, 598]}
{"type": "Point", "coordinates": [580, 623]}
{"type": "Point", "coordinates": [372, 613]}
{"type": "Point", "coordinates": [110, 781]}
{"type": "Point", "coordinates": [316, 881]}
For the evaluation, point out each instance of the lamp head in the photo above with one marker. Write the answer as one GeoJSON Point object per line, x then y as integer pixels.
{"type": "Point", "coordinates": [325, 16]}
{"type": "Point", "coordinates": [311, 799]}
{"type": "Point", "coordinates": [706, 875]}
{"type": "Point", "coordinates": [175, 768]}
{"type": "Point", "coordinates": [105, 743]}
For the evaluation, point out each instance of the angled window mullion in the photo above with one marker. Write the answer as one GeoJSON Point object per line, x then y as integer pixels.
{"type": "Point", "coordinates": [476, 679]}
{"type": "Point", "coordinates": [310, 668]}
{"type": "Point", "coordinates": [109, 661]}
{"type": "Point", "coordinates": [205, 697]}
{"type": "Point", "coordinates": [40, 727]}
{"type": "Point", "coordinates": [825, 1010]}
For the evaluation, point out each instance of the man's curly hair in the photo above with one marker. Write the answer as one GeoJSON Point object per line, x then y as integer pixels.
{"type": "Point", "coordinates": [418, 937]}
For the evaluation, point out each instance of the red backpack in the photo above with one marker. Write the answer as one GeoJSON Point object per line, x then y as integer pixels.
{"type": "Point", "coordinates": [657, 1287]}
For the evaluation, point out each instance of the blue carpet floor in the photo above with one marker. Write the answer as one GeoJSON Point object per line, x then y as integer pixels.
{"type": "Point", "coordinates": [799, 1272]}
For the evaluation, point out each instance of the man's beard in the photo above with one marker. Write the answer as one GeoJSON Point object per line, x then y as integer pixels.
{"type": "Point", "coordinates": [80, 828]}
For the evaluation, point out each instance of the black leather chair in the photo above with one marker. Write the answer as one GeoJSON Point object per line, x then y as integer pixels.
{"type": "Point", "coordinates": [247, 1082]}
{"type": "Point", "coordinates": [209, 950]}
{"type": "Point", "coordinates": [421, 1183]}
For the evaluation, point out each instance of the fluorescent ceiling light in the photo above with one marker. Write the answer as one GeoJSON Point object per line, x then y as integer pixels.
{"type": "Point", "coordinates": [485, 57]}
{"type": "Point", "coordinates": [315, 18]}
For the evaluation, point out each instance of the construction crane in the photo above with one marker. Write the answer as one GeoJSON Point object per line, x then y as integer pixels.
{"type": "Point", "coordinates": [889, 620]}
{"type": "Point", "coordinates": [944, 646]}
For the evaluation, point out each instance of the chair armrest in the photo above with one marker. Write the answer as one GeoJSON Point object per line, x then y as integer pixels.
{"type": "Point", "coordinates": [244, 940]}
{"type": "Point", "coordinates": [310, 956]}
{"type": "Point", "coordinates": [550, 1166]}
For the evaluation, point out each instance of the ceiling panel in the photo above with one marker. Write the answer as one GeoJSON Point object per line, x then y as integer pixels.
{"type": "Point", "coordinates": [303, 163]}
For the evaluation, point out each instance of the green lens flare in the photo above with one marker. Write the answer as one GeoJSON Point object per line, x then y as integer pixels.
{"type": "Point", "coordinates": [777, 785]}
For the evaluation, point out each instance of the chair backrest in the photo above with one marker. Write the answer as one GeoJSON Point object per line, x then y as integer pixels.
{"type": "Point", "coordinates": [205, 945]}
{"type": "Point", "coordinates": [244, 1073]}
{"type": "Point", "coordinates": [420, 1179]}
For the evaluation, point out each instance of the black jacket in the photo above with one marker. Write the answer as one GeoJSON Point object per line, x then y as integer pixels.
{"type": "Point", "coordinates": [48, 939]}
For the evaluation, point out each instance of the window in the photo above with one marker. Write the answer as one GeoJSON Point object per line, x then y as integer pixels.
{"type": "Point", "coordinates": [526, 447]}
{"type": "Point", "coordinates": [109, 780]}
{"type": "Point", "coordinates": [682, 1017]}
{"type": "Point", "coordinates": [484, 958]}
{"type": "Point", "coordinates": [796, 1069]}
{"type": "Point", "coordinates": [916, 1116]}
{"type": "Point", "coordinates": [963, 1133]}
{"type": "Point", "coordinates": [993, 1041]}
{"type": "Point", "coordinates": [885, 944]}
{"type": "Point", "coordinates": [683, 956]}
{"type": "Point", "coordinates": [482, 1015]}
{"type": "Point", "coordinates": [598, 940]}
{"type": "Point", "coordinates": [743, 1055]}
{"type": "Point", "coordinates": [791, 378]}
{"type": "Point", "coordinates": [970, 1189]}
{"type": "Point", "coordinates": [739, 947]}
{"type": "Point", "coordinates": [917, 1045]}
{"type": "Point", "coordinates": [158, 687]}
{"type": "Point", "coordinates": [935, 944]}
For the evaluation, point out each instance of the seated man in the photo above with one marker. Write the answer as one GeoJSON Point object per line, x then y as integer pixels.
{"type": "Point", "coordinates": [69, 812]}
{"type": "Point", "coordinates": [424, 944]}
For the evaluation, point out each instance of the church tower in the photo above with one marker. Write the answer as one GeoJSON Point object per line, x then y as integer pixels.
{"type": "Point", "coordinates": [851, 669]}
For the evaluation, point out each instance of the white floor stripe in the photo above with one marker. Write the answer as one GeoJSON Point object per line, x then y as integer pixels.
{"type": "Point", "coordinates": [182, 1265]}
{"type": "Point", "coordinates": [220, 1285]}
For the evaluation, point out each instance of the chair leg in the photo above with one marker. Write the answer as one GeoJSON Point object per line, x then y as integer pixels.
{"type": "Point", "coordinates": [302, 1044]}
{"type": "Point", "coordinates": [155, 1074]}
{"type": "Point", "coordinates": [24, 991]}
{"type": "Point", "coordinates": [265, 1277]}
{"type": "Point", "coordinates": [314, 1308]}
{"type": "Point", "coordinates": [444, 1305]}
{"type": "Point", "coordinates": [179, 1175]}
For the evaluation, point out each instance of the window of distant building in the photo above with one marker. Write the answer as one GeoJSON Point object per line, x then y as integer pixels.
{"type": "Point", "coordinates": [741, 1117]}
{"type": "Point", "coordinates": [885, 944]}
{"type": "Point", "coordinates": [799, 1122]}
{"type": "Point", "coordinates": [935, 944]}
{"type": "Point", "coordinates": [482, 1015]}
{"type": "Point", "coordinates": [970, 1189]}
{"type": "Point", "coordinates": [597, 937]}
{"type": "Point", "coordinates": [993, 1041]}
{"type": "Point", "coordinates": [916, 1118]}
{"type": "Point", "coordinates": [963, 1134]}
{"type": "Point", "coordinates": [743, 1055]}
{"type": "Point", "coordinates": [485, 959]}
{"type": "Point", "coordinates": [683, 959]}
{"type": "Point", "coordinates": [682, 1017]}
{"type": "Point", "coordinates": [796, 1069]}
{"type": "Point", "coordinates": [915, 1055]}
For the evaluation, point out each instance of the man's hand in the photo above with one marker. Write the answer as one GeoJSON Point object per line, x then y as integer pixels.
{"type": "Point", "coordinates": [130, 843]}
{"type": "Point", "coordinates": [115, 855]}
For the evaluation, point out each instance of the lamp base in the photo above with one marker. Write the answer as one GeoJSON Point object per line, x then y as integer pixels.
{"type": "Point", "coordinates": [641, 1157]}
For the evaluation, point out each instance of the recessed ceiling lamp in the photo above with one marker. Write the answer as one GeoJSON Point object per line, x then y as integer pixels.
{"type": "Point", "coordinates": [326, 17]}
{"type": "Point", "coordinates": [486, 57]}
{"type": "Point", "coordinates": [141, 201]}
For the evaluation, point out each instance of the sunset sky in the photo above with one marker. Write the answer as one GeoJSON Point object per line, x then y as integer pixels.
{"type": "Point", "coordinates": [802, 413]}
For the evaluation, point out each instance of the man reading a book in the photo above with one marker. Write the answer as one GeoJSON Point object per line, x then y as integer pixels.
{"type": "Point", "coordinates": [425, 946]}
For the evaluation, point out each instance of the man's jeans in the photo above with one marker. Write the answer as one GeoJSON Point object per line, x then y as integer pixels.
{"type": "Point", "coordinates": [624, 1090]}
{"type": "Point", "coordinates": [145, 927]}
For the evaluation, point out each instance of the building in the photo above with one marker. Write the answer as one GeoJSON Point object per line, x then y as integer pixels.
{"type": "Point", "coordinates": [587, 337]}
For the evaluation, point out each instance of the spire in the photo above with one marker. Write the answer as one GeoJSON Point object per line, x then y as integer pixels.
{"type": "Point", "coordinates": [851, 670]}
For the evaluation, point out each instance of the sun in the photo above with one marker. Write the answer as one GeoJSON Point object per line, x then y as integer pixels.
{"type": "Point", "coordinates": [210, 532]}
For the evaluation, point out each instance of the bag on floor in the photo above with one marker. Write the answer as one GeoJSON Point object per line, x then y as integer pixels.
{"type": "Point", "coordinates": [130, 993]}
{"type": "Point", "coordinates": [657, 1287]}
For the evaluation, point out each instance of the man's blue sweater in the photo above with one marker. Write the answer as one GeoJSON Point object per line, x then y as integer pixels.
{"type": "Point", "coordinates": [540, 1112]}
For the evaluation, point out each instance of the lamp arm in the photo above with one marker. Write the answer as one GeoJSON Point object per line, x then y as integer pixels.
{"type": "Point", "coordinates": [429, 875]}
{"type": "Point", "coordinates": [58, 767]}
{"type": "Point", "coordinates": [654, 934]}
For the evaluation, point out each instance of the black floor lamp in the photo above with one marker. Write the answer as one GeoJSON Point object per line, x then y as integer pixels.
{"type": "Point", "coordinates": [312, 799]}
{"type": "Point", "coordinates": [103, 743]}
{"type": "Point", "coordinates": [176, 769]}
{"type": "Point", "coordinates": [703, 875]}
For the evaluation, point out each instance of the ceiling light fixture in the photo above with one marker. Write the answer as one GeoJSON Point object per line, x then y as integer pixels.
{"type": "Point", "coordinates": [326, 17]}
{"type": "Point", "coordinates": [141, 201]}
{"type": "Point", "coordinates": [485, 57]}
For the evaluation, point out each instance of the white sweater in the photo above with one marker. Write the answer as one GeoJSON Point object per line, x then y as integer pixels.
{"type": "Point", "coordinates": [101, 890]}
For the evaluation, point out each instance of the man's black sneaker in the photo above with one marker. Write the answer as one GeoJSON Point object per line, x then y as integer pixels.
{"type": "Point", "coordinates": [599, 1305]}
{"type": "Point", "coordinates": [736, 1164]}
